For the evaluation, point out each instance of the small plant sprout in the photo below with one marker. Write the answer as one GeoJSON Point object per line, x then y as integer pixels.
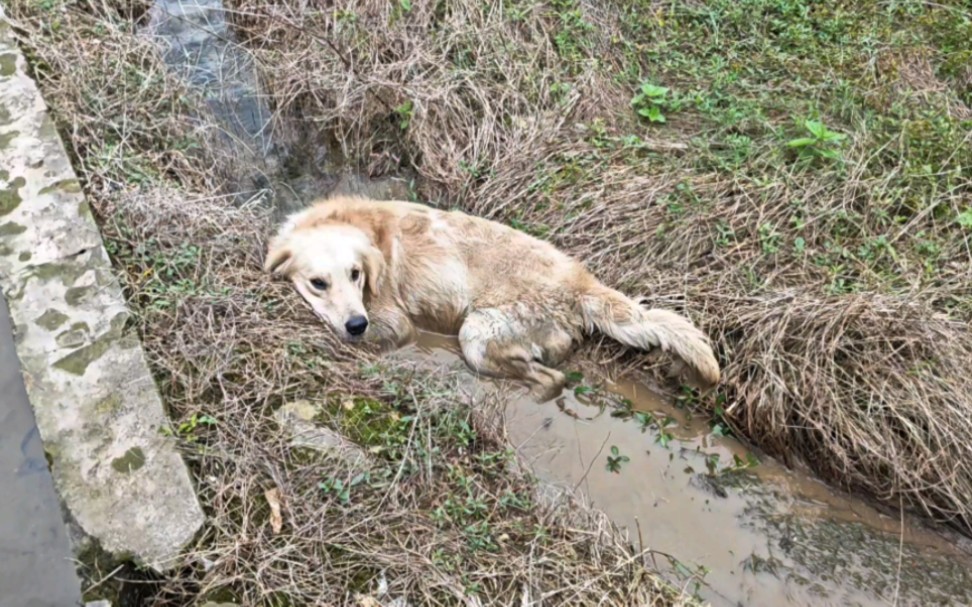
{"type": "Point", "coordinates": [342, 490]}
{"type": "Point", "coordinates": [404, 112]}
{"type": "Point", "coordinates": [821, 141]}
{"type": "Point", "coordinates": [188, 429]}
{"type": "Point", "coordinates": [965, 219]}
{"type": "Point", "coordinates": [650, 100]}
{"type": "Point", "coordinates": [615, 460]}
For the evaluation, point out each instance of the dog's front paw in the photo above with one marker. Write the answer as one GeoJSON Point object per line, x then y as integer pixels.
{"type": "Point", "coordinates": [551, 388]}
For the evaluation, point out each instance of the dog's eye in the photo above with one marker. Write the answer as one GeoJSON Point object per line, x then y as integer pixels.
{"type": "Point", "coordinates": [355, 275]}
{"type": "Point", "coordinates": [319, 284]}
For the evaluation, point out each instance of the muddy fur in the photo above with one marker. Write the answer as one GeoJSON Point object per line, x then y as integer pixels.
{"type": "Point", "coordinates": [518, 305]}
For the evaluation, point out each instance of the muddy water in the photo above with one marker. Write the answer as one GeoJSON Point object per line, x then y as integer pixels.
{"type": "Point", "coordinates": [742, 534]}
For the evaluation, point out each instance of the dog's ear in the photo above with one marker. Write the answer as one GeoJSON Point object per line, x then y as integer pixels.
{"type": "Point", "coordinates": [374, 265]}
{"type": "Point", "coordinates": [278, 259]}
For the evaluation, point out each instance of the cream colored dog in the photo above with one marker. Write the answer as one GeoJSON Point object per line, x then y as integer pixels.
{"type": "Point", "coordinates": [380, 270]}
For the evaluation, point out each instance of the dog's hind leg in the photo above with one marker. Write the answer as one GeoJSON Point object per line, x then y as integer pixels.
{"type": "Point", "coordinates": [506, 343]}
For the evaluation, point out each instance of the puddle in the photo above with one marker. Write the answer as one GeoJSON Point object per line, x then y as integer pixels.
{"type": "Point", "coordinates": [765, 535]}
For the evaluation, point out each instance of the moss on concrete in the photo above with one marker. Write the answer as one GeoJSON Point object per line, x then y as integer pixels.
{"type": "Point", "coordinates": [8, 64]}
{"type": "Point", "coordinates": [77, 362]}
{"type": "Point", "coordinates": [71, 186]}
{"type": "Point", "coordinates": [133, 460]}
{"type": "Point", "coordinates": [11, 228]}
{"type": "Point", "coordinates": [51, 319]}
{"type": "Point", "coordinates": [10, 194]}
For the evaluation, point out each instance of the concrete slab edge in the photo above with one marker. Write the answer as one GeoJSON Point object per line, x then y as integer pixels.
{"type": "Point", "coordinates": [97, 407]}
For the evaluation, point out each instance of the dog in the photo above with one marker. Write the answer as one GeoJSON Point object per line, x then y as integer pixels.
{"type": "Point", "coordinates": [381, 270]}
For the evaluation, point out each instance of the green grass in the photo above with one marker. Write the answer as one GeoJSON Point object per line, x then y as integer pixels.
{"type": "Point", "coordinates": [783, 93]}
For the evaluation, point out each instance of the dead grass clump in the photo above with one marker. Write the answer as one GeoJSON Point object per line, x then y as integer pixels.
{"type": "Point", "coordinates": [439, 514]}
{"type": "Point", "coordinates": [873, 391]}
{"type": "Point", "coordinates": [518, 113]}
{"type": "Point", "coordinates": [462, 84]}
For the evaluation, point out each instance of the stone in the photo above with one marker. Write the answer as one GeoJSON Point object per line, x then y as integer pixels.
{"type": "Point", "coordinates": [298, 419]}
{"type": "Point", "coordinates": [98, 410]}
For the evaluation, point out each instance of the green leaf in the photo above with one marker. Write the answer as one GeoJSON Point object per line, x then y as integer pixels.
{"type": "Point", "coordinates": [664, 438]}
{"type": "Point", "coordinates": [405, 4]}
{"type": "Point", "coordinates": [965, 218]}
{"type": "Point", "coordinates": [655, 115]}
{"type": "Point", "coordinates": [645, 419]}
{"type": "Point", "coordinates": [799, 244]}
{"type": "Point", "coordinates": [654, 91]}
{"type": "Point", "coordinates": [816, 127]}
{"type": "Point", "coordinates": [801, 142]}
{"type": "Point", "coordinates": [719, 430]}
{"type": "Point", "coordinates": [582, 390]}
{"type": "Point", "coordinates": [574, 377]}
{"type": "Point", "coordinates": [614, 450]}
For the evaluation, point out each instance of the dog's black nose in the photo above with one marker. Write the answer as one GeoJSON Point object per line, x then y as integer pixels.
{"type": "Point", "coordinates": [357, 325]}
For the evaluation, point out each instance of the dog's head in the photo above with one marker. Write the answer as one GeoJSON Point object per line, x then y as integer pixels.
{"type": "Point", "coordinates": [331, 265]}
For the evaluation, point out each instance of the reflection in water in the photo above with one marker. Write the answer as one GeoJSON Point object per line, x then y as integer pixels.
{"type": "Point", "coordinates": [765, 535]}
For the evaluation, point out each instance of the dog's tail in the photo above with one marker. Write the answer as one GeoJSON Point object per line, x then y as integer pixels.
{"type": "Point", "coordinates": [622, 319]}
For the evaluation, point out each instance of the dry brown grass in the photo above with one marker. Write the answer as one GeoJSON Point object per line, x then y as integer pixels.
{"type": "Point", "coordinates": [445, 509]}
{"type": "Point", "coordinates": [855, 364]}
{"type": "Point", "coordinates": [446, 515]}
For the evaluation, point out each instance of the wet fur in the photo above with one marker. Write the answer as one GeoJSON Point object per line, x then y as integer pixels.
{"type": "Point", "coordinates": [517, 304]}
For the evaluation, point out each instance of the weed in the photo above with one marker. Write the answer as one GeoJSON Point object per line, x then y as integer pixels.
{"type": "Point", "coordinates": [404, 112]}
{"type": "Point", "coordinates": [615, 460]}
{"type": "Point", "coordinates": [821, 143]}
{"type": "Point", "coordinates": [189, 430]}
{"type": "Point", "coordinates": [341, 489]}
{"type": "Point", "coordinates": [650, 100]}
{"type": "Point", "coordinates": [964, 219]}
{"type": "Point", "coordinates": [645, 420]}
{"type": "Point", "coordinates": [769, 239]}
{"type": "Point", "coordinates": [664, 437]}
